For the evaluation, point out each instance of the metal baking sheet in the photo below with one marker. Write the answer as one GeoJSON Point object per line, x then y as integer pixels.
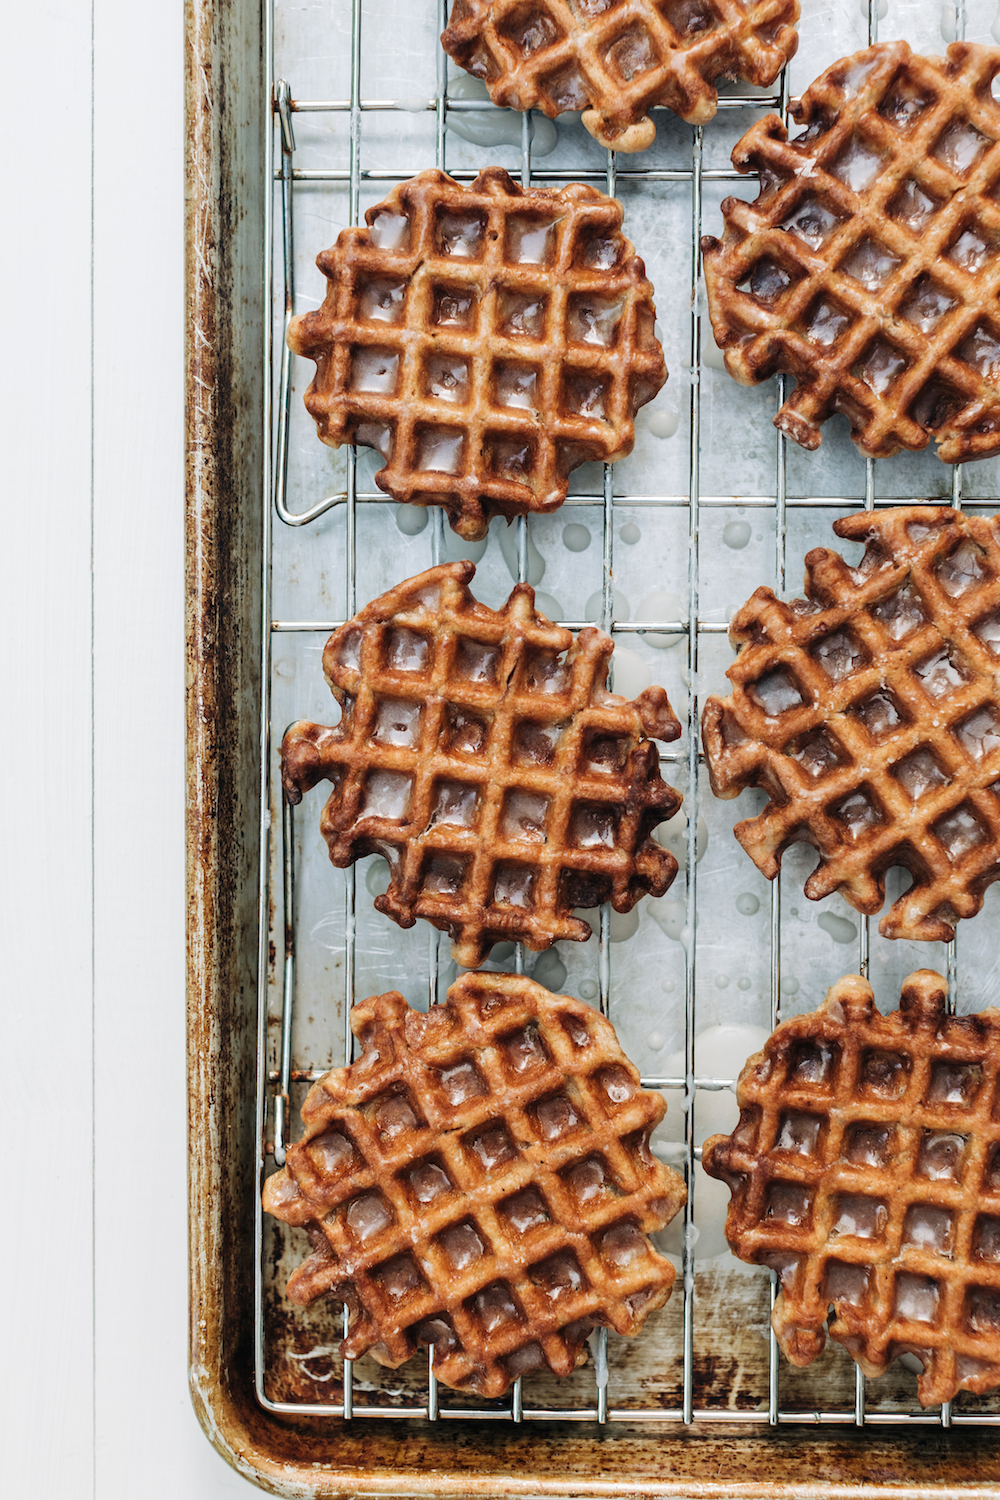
{"type": "Point", "coordinates": [710, 504]}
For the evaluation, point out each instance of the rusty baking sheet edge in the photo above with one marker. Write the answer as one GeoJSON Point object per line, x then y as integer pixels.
{"type": "Point", "coordinates": [225, 455]}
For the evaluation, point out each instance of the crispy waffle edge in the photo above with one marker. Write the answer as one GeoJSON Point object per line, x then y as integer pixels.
{"type": "Point", "coordinates": [924, 662]}
{"type": "Point", "coordinates": [482, 378]}
{"type": "Point", "coordinates": [615, 66]}
{"type": "Point", "coordinates": [479, 1179]}
{"type": "Point", "coordinates": [878, 299]}
{"type": "Point", "coordinates": [476, 744]}
{"type": "Point", "coordinates": [865, 1171]}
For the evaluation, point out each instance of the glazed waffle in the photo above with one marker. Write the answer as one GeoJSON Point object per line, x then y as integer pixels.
{"type": "Point", "coordinates": [480, 752]}
{"type": "Point", "coordinates": [616, 59]}
{"type": "Point", "coordinates": [868, 266]}
{"type": "Point", "coordinates": [869, 712]}
{"type": "Point", "coordinates": [484, 340]}
{"type": "Point", "coordinates": [480, 1180]}
{"type": "Point", "coordinates": [865, 1170]}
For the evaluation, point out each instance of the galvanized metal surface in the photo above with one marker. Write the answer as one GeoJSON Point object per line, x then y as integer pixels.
{"type": "Point", "coordinates": [659, 1379]}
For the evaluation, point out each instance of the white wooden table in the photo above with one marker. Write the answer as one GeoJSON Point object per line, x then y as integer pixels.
{"type": "Point", "coordinates": [94, 1398]}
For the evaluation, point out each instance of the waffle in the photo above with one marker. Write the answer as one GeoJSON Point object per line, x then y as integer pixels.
{"type": "Point", "coordinates": [615, 61]}
{"type": "Point", "coordinates": [868, 268]}
{"type": "Point", "coordinates": [485, 341]}
{"type": "Point", "coordinates": [865, 1170]}
{"type": "Point", "coordinates": [480, 1180]}
{"type": "Point", "coordinates": [870, 713]}
{"type": "Point", "coordinates": [480, 752]}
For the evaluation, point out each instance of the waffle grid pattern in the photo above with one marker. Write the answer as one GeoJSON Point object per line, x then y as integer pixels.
{"type": "Point", "coordinates": [485, 340]}
{"type": "Point", "coordinates": [868, 267]}
{"type": "Point", "coordinates": [480, 1180]}
{"type": "Point", "coordinates": [482, 755]}
{"type": "Point", "coordinates": [870, 713]}
{"type": "Point", "coordinates": [616, 59]}
{"type": "Point", "coordinates": [866, 1170]}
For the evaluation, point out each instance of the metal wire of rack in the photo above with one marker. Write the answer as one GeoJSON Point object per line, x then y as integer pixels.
{"type": "Point", "coordinates": [273, 1086]}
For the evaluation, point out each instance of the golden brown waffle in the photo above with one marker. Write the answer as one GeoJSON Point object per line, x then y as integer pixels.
{"type": "Point", "coordinates": [870, 713]}
{"type": "Point", "coordinates": [485, 341]}
{"type": "Point", "coordinates": [868, 267]}
{"type": "Point", "coordinates": [616, 59]}
{"type": "Point", "coordinates": [480, 752]}
{"type": "Point", "coordinates": [480, 1180]}
{"type": "Point", "coordinates": [865, 1170]}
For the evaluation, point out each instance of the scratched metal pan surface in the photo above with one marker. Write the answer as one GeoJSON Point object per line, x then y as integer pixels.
{"type": "Point", "coordinates": [286, 537]}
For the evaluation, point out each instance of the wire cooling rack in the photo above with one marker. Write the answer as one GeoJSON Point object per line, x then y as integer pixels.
{"type": "Point", "coordinates": [287, 1064]}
